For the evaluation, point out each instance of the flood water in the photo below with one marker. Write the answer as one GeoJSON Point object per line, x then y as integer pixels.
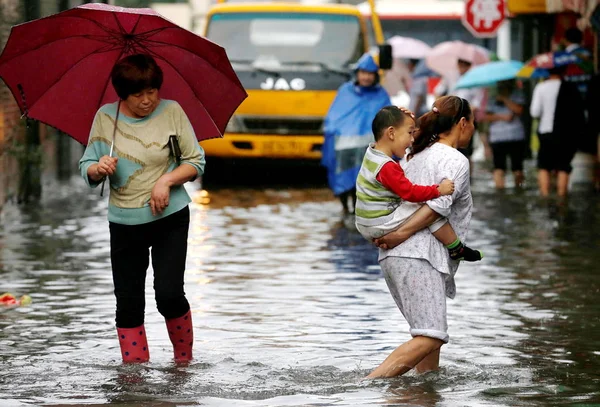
{"type": "Point", "coordinates": [290, 307]}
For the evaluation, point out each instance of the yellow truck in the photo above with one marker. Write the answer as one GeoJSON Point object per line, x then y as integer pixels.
{"type": "Point", "coordinates": [291, 58]}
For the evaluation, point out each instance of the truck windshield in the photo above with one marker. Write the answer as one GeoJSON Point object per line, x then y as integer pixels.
{"type": "Point", "coordinates": [284, 38]}
{"type": "Point", "coordinates": [431, 31]}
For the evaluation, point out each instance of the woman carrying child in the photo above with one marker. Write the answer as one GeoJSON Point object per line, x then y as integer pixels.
{"type": "Point", "coordinates": [386, 198]}
{"type": "Point", "coordinates": [417, 268]}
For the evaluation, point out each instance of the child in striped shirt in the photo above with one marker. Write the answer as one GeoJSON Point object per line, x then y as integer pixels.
{"type": "Point", "coordinates": [382, 186]}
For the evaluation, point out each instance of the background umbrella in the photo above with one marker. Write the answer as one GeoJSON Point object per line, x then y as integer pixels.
{"type": "Point", "coordinates": [538, 66]}
{"type": "Point", "coordinates": [488, 74]}
{"type": "Point", "coordinates": [422, 70]}
{"type": "Point", "coordinates": [444, 57]}
{"type": "Point", "coordinates": [408, 48]}
{"type": "Point", "coordinates": [58, 67]}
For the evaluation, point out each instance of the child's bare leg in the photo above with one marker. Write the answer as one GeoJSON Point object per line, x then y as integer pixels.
{"type": "Point", "coordinates": [406, 356]}
{"type": "Point", "coordinates": [457, 250]}
{"type": "Point", "coordinates": [446, 234]}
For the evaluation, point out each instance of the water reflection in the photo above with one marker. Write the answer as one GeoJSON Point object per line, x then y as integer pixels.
{"type": "Point", "coordinates": [290, 307]}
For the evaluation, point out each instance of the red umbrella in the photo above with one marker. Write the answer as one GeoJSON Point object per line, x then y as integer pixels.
{"type": "Point", "coordinates": [58, 67]}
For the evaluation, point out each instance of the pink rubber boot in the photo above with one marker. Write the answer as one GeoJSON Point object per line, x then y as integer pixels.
{"type": "Point", "coordinates": [134, 345]}
{"type": "Point", "coordinates": [181, 334]}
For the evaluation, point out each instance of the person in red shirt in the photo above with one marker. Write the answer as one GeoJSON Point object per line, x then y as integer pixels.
{"type": "Point", "coordinates": [386, 199]}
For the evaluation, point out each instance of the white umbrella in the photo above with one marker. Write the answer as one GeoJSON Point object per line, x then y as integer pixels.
{"type": "Point", "coordinates": [408, 48]}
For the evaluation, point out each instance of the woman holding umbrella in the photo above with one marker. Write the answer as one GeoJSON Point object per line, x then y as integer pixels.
{"type": "Point", "coordinates": [148, 206]}
{"type": "Point", "coordinates": [130, 139]}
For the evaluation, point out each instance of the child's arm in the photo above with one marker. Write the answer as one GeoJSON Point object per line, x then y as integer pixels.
{"type": "Point", "coordinates": [392, 177]}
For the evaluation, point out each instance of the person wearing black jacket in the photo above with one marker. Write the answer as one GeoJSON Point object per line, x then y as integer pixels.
{"type": "Point", "coordinates": [562, 129]}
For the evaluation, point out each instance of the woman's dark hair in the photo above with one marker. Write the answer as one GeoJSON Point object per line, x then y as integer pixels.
{"type": "Point", "coordinates": [135, 73]}
{"type": "Point", "coordinates": [389, 116]}
{"type": "Point", "coordinates": [446, 113]}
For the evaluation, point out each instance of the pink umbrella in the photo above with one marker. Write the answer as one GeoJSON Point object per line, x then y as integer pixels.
{"type": "Point", "coordinates": [408, 48]}
{"type": "Point", "coordinates": [58, 67]}
{"type": "Point", "coordinates": [444, 57]}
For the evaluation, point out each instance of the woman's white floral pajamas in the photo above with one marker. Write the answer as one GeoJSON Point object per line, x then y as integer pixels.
{"type": "Point", "coordinates": [419, 272]}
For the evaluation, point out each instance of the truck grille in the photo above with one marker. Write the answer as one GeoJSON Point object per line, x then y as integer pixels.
{"type": "Point", "coordinates": [276, 125]}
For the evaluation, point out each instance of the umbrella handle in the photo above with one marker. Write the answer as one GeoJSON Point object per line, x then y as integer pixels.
{"type": "Point", "coordinates": [102, 187]}
{"type": "Point", "coordinates": [112, 144]}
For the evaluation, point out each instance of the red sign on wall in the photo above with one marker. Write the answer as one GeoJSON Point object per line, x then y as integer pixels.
{"type": "Point", "coordinates": [483, 17]}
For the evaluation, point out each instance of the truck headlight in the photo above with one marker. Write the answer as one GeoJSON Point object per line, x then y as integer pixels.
{"type": "Point", "coordinates": [235, 125]}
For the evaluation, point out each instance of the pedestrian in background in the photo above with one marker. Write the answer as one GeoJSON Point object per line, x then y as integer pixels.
{"type": "Point", "coordinates": [148, 205]}
{"type": "Point", "coordinates": [559, 107]}
{"type": "Point", "coordinates": [581, 73]}
{"type": "Point", "coordinates": [506, 132]}
{"type": "Point", "coordinates": [348, 129]}
{"type": "Point", "coordinates": [474, 96]}
{"type": "Point", "coordinates": [419, 88]}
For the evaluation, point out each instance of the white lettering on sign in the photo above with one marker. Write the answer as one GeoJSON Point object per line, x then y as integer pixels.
{"type": "Point", "coordinates": [298, 84]}
{"type": "Point", "coordinates": [485, 13]}
{"type": "Point", "coordinates": [282, 84]}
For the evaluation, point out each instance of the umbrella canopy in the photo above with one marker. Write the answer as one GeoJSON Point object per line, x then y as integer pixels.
{"type": "Point", "coordinates": [444, 57]}
{"type": "Point", "coordinates": [538, 66]}
{"type": "Point", "coordinates": [408, 48]}
{"type": "Point", "coordinates": [58, 67]}
{"type": "Point", "coordinates": [422, 70]}
{"type": "Point", "coordinates": [488, 74]}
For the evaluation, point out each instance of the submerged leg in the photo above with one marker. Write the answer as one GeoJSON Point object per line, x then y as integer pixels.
{"type": "Point", "coordinates": [544, 182]}
{"type": "Point", "coordinates": [430, 362]}
{"type": "Point", "coordinates": [406, 356]}
{"type": "Point", "coordinates": [562, 184]}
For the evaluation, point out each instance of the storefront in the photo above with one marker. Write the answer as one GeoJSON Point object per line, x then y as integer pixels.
{"type": "Point", "coordinates": [542, 24]}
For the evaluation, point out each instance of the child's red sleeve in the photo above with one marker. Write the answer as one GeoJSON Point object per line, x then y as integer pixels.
{"type": "Point", "coordinates": [392, 177]}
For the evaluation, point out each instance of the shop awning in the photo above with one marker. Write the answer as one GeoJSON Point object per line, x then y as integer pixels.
{"type": "Point", "coordinates": [584, 7]}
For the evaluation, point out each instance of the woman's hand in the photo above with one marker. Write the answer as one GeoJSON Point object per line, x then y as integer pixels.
{"type": "Point", "coordinates": [159, 198]}
{"type": "Point", "coordinates": [407, 111]}
{"type": "Point", "coordinates": [392, 239]}
{"type": "Point", "coordinates": [106, 166]}
{"type": "Point", "coordinates": [422, 218]}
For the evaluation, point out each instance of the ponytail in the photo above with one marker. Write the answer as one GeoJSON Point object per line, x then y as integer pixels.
{"type": "Point", "coordinates": [445, 114]}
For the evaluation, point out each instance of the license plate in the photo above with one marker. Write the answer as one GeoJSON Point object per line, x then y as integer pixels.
{"type": "Point", "coordinates": [282, 148]}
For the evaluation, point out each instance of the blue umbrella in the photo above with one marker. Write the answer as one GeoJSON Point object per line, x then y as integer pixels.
{"type": "Point", "coordinates": [488, 74]}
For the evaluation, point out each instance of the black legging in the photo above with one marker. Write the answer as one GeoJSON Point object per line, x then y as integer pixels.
{"type": "Point", "coordinates": [130, 253]}
{"type": "Point", "coordinates": [344, 199]}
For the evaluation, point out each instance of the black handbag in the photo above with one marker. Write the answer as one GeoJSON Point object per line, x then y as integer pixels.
{"type": "Point", "coordinates": [174, 147]}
